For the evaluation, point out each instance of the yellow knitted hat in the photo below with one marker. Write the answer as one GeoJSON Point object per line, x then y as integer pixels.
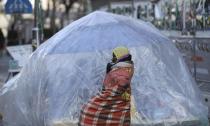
{"type": "Point", "coordinates": [120, 52]}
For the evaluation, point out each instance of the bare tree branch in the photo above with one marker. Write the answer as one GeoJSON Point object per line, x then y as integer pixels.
{"type": "Point", "coordinates": [68, 4]}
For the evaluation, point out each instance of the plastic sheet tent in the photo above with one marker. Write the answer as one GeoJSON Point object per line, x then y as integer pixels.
{"type": "Point", "coordinates": [68, 69]}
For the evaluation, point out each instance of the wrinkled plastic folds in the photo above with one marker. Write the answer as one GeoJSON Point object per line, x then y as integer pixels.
{"type": "Point", "coordinates": [69, 68]}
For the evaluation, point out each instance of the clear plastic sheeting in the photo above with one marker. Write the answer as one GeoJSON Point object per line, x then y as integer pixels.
{"type": "Point", "coordinates": [69, 68]}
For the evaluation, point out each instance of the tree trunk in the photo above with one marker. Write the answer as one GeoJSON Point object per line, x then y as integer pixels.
{"type": "Point", "coordinates": [52, 21]}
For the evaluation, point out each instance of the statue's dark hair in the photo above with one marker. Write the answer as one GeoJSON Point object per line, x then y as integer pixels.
{"type": "Point", "coordinates": [127, 58]}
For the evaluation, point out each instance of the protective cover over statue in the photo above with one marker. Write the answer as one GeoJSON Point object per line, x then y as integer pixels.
{"type": "Point", "coordinates": [69, 68]}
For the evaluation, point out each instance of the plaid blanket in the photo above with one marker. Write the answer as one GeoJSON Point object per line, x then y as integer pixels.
{"type": "Point", "coordinates": [110, 107]}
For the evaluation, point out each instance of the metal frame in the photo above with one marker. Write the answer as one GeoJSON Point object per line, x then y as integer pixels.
{"type": "Point", "coordinates": [194, 44]}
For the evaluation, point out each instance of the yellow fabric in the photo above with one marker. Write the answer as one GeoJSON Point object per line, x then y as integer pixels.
{"type": "Point", "coordinates": [126, 96]}
{"type": "Point", "coordinates": [120, 52]}
{"type": "Point", "coordinates": [133, 107]}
